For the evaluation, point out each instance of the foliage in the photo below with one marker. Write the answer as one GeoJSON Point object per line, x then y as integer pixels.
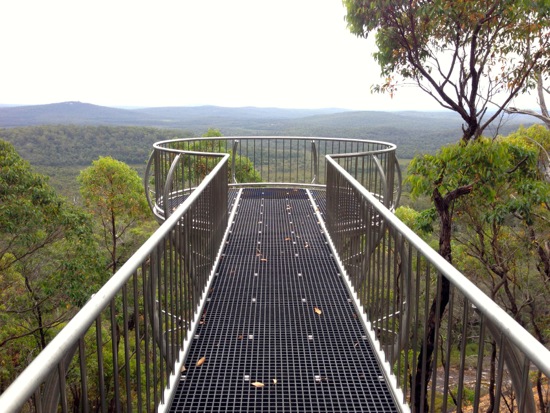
{"type": "Point", "coordinates": [114, 194]}
{"type": "Point", "coordinates": [466, 55]}
{"type": "Point", "coordinates": [70, 145]}
{"type": "Point", "coordinates": [501, 224]}
{"type": "Point", "coordinates": [62, 151]}
{"type": "Point", "coordinates": [462, 53]}
{"type": "Point", "coordinates": [244, 168]}
{"type": "Point", "coordinates": [48, 262]}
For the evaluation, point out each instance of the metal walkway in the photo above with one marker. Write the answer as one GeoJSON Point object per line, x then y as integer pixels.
{"type": "Point", "coordinates": [279, 331]}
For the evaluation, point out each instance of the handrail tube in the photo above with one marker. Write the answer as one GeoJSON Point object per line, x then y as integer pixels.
{"type": "Point", "coordinates": [145, 182]}
{"type": "Point", "coordinates": [385, 186]}
{"type": "Point", "coordinates": [25, 384]}
{"type": "Point", "coordinates": [388, 147]}
{"type": "Point", "coordinates": [168, 184]}
{"type": "Point", "coordinates": [524, 341]}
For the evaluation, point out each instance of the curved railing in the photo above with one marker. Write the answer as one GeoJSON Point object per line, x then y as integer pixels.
{"type": "Point", "coordinates": [177, 166]}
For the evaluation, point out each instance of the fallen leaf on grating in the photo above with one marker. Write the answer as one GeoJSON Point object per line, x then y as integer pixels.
{"type": "Point", "coordinates": [183, 368]}
{"type": "Point", "coordinates": [274, 381]}
{"type": "Point", "coordinates": [306, 245]}
{"type": "Point", "coordinates": [263, 259]}
{"type": "Point", "coordinates": [201, 361]}
{"type": "Point", "coordinates": [287, 239]}
{"type": "Point", "coordinates": [258, 384]}
{"type": "Point", "coordinates": [318, 311]}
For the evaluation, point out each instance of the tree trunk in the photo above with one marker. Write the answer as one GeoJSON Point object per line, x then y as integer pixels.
{"type": "Point", "coordinates": [424, 363]}
{"type": "Point", "coordinates": [114, 241]}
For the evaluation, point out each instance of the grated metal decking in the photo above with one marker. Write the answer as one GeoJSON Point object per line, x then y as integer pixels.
{"type": "Point", "coordinates": [260, 323]}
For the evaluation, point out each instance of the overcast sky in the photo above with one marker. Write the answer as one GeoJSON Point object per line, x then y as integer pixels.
{"type": "Point", "coordinates": [269, 53]}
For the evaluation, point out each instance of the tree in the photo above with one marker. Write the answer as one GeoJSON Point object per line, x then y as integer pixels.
{"type": "Point", "coordinates": [244, 168]}
{"type": "Point", "coordinates": [504, 230]}
{"type": "Point", "coordinates": [502, 223]}
{"type": "Point", "coordinates": [114, 194]}
{"type": "Point", "coordinates": [465, 54]}
{"type": "Point", "coordinates": [48, 262]}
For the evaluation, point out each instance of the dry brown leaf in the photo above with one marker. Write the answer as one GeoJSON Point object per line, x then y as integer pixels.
{"type": "Point", "coordinates": [287, 239]}
{"type": "Point", "coordinates": [258, 384]}
{"type": "Point", "coordinates": [274, 381]}
{"type": "Point", "coordinates": [263, 259]}
{"type": "Point", "coordinates": [318, 311]}
{"type": "Point", "coordinates": [183, 369]}
{"type": "Point", "coordinates": [201, 361]}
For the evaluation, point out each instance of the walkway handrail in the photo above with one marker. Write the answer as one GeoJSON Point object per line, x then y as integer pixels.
{"type": "Point", "coordinates": [396, 278]}
{"type": "Point", "coordinates": [178, 256]}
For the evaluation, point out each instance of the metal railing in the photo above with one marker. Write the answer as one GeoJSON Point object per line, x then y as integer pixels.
{"type": "Point", "coordinates": [269, 161]}
{"type": "Point", "coordinates": [123, 351]}
{"type": "Point", "coordinates": [446, 346]}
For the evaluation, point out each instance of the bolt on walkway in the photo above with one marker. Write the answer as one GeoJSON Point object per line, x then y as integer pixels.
{"type": "Point", "coordinates": [279, 331]}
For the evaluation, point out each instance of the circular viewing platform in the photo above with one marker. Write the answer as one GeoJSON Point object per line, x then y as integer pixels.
{"type": "Point", "coordinates": [178, 166]}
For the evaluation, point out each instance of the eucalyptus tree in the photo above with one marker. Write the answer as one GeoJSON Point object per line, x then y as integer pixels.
{"type": "Point", "coordinates": [49, 265]}
{"type": "Point", "coordinates": [502, 226]}
{"type": "Point", "coordinates": [469, 56]}
{"type": "Point", "coordinates": [114, 194]}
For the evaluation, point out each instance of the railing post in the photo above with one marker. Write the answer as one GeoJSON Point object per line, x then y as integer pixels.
{"type": "Point", "coordinates": [168, 186]}
{"type": "Point", "coordinates": [147, 181]}
{"type": "Point", "coordinates": [233, 156]}
{"type": "Point", "coordinates": [397, 185]}
{"type": "Point", "coordinates": [315, 161]}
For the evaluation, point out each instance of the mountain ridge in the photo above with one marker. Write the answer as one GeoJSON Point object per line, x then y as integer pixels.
{"type": "Point", "coordinates": [400, 127]}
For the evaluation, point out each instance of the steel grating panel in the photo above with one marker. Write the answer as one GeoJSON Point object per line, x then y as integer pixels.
{"type": "Point", "coordinates": [231, 197]}
{"type": "Point", "coordinates": [260, 323]}
{"type": "Point", "coordinates": [320, 197]}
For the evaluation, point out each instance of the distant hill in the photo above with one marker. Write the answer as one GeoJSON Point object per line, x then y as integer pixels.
{"type": "Point", "coordinates": [412, 132]}
{"type": "Point", "coordinates": [77, 113]}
